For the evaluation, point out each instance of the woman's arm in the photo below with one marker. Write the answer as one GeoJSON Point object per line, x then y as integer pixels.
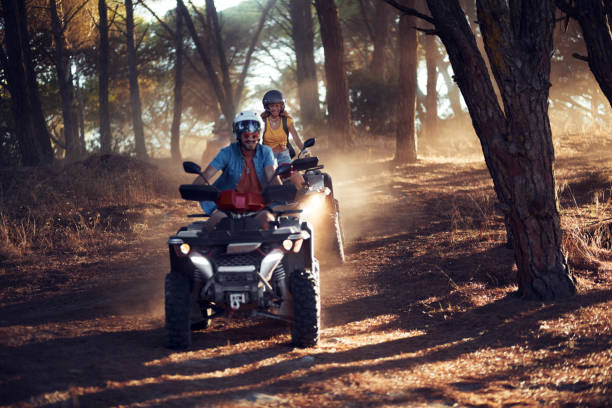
{"type": "Point", "coordinates": [296, 137]}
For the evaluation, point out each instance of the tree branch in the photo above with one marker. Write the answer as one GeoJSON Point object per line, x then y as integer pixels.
{"type": "Point", "coordinates": [159, 20]}
{"type": "Point", "coordinates": [364, 15]}
{"type": "Point", "coordinates": [254, 40]}
{"type": "Point", "coordinates": [427, 31]}
{"type": "Point", "coordinates": [410, 11]}
{"type": "Point", "coordinates": [203, 55]}
{"type": "Point", "coordinates": [211, 12]}
{"type": "Point", "coordinates": [73, 14]}
{"type": "Point", "coordinates": [566, 7]}
{"type": "Point", "coordinates": [580, 57]}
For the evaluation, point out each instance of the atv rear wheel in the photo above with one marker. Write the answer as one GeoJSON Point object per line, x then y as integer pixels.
{"type": "Point", "coordinates": [178, 308]}
{"type": "Point", "coordinates": [338, 238]}
{"type": "Point", "coordinates": [335, 234]}
{"type": "Point", "coordinates": [305, 289]}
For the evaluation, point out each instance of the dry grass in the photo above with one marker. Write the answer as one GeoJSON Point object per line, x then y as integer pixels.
{"type": "Point", "coordinates": [78, 208]}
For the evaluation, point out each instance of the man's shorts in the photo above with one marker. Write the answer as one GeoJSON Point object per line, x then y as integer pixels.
{"type": "Point", "coordinates": [282, 157]}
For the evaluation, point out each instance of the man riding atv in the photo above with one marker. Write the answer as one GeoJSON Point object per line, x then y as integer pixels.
{"type": "Point", "coordinates": [246, 166]}
{"type": "Point", "coordinates": [251, 258]}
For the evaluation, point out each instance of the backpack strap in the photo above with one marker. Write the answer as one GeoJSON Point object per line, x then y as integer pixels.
{"type": "Point", "coordinates": [289, 146]}
{"type": "Point", "coordinates": [285, 128]}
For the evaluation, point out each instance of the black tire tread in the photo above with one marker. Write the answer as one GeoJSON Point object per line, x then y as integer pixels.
{"type": "Point", "coordinates": [305, 289]}
{"type": "Point", "coordinates": [178, 308]}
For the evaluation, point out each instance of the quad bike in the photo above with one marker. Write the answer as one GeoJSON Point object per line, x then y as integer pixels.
{"type": "Point", "coordinates": [320, 206]}
{"type": "Point", "coordinates": [239, 268]}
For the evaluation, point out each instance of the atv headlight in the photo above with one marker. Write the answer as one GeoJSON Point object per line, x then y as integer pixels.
{"type": "Point", "coordinates": [313, 205]}
{"type": "Point", "coordinates": [287, 244]}
{"type": "Point", "coordinates": [185, 248]}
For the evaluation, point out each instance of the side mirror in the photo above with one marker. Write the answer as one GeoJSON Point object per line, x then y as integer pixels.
{"type": "Point", "coordinates": [309, 142]}
{"type": "Point", "coordinates": [191, 167]}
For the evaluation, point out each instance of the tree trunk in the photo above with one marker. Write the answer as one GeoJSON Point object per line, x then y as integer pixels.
{"type": "Point", "coordinates": [16, 83]}
{"type": "Point", "coordinates": [380, 33]}
{"type": "Point", "coordinates": [430, 121]}
{"type": "Point", "coordinates": [302, 34]}
{"type": "Point", "coordinates": [39, 123]}
{"type": "Point", "coordinates": [225, 96]}
{"type": "Point", "coordinates": [103, 79]}
{"type": "Point", "coordinates": [80, 115]}
{"type": "Point", "coordinates": [339, 114]}
{"type": "Point", "coordinates": [406, 143]}
{"type": "Point", "coordinates": [594, 19]}
{"type": "Point", "coordinates": [517, 142]}
{"type": "Point", "coordinates": [211, 14]}
{"type": "Point", "coordinates": [66, 89]}
{"type": "Point", "coordinates": [139, 139]}
{"type": "Point", "coordinates": [454, 95]}
{"type": "Point", "coordinates": [30, 126]}
{"type": "Point", "coordinates": [175, 132]}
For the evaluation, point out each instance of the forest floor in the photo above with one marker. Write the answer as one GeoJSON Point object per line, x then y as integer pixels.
{"type": "Point", "coordinates": [423, 313]}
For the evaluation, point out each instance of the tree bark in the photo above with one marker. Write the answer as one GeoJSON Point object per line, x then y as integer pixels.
{"type": "Point", "coordinates": [516, 142]}
{"type": "Point", "coordinates": [431, 100]}
{"type": "Point", "coordinates": [39, 123]}
{"type": "Point", "coordinates": [16, 82]}
{"type": "Point", "coordinates": [380, 33]}
{"type": "Point", "coordinates": [66, 89]}
{"type": "Point", "coordinates": [595, 22]}
{"type": "Point", "coordinates": [30, 126]}
{"type": "Point", "coordinates": [103, 80]}
{"type": "Point", "coordinates": [175, 132]}
{"type": "Point", "coordinates": [139, 138]}
{"type": "Point", "coordinates": [406, 142]}
{"type": "Point", "coordinates": [339, 114]}
{"type": "Point", "coordinates": [302, 33]}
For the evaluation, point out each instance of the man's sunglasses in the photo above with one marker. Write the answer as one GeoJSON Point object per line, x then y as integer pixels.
{"type": "Point", "coordinates": [251, 135]}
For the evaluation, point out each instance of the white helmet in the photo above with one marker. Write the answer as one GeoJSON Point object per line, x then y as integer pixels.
{"type": "Point", "coordinates": [246, 121]}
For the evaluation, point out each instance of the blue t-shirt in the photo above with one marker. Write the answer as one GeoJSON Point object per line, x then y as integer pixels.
{"type": "Point", "coordinates": [231, 162]}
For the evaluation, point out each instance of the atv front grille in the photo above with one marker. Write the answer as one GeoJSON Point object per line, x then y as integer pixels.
{"type": "Point", "coordinates": [236, 278]}
{"type": "Point", "coordinates": [252, 258]}
{"type": "Point", "coordinates": [235, 261]}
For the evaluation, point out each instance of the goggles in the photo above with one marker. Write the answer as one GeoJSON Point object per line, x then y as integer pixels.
{"type": "Point", "coordinates": [251, 135]}
{"type": "Point", "coordinates": [247, 126]}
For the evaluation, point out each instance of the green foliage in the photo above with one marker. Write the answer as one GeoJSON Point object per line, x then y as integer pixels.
{"type": "Point", "coordinates": [373, 102]}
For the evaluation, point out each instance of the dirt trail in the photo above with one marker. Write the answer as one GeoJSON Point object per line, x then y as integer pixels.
{"type": "Point", "coordinates": [421, 315]}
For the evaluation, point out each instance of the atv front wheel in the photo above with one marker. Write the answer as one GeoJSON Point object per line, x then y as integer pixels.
{"type": "Point", "coordinates": [201, 316]}
{"type": "Point", "coordinates": [178, 308]}
{"type": "Point", "coordinates": [306, 308]}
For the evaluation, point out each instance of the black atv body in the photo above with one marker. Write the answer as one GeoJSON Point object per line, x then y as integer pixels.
{"type": "Point", "coordinates": [240, 268]}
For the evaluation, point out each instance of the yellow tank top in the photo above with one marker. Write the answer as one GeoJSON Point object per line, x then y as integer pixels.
{"type": "Point", "coordinates": [276, 137]}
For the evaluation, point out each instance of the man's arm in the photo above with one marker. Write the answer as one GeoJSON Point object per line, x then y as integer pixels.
{"type": "Point", "coordinates": [272, 180]}
{"type": "Point", "coordinates": [209, 173]}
